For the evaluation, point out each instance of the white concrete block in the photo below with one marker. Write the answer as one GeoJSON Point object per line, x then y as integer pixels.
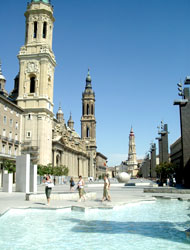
{"type": "Point", "coordinates": [23, 173]}
{"type": "Point", "coordinates": [33, 178]}
{"type": "Point", "coordinates": [8, 183]}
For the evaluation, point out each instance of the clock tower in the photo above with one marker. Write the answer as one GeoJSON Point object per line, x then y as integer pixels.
{"type": "Point", "coordinates": [36, 81]}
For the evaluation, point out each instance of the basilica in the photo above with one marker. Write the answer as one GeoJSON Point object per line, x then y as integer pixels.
{"type": "Point", "coordinates": [45, 136]}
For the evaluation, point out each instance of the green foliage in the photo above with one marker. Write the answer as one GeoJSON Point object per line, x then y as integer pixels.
{"type": "Point", "coordinates": [165, 170]}
{"type": "Point", "coordinates": [49, 169]}
{"type": "Point", "coordinates": [9, 165]}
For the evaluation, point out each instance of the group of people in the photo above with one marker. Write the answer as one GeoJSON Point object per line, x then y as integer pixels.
{"type": "Point", "coordinates": [80, 187]}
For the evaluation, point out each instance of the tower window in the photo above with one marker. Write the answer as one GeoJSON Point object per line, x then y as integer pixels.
{"type": "Point", "coordinates": [87, 109]}
{"type": "Point", "coordinates": [83, 109]}
{"type": "Point", "coordinates": [92, 109]}
{"type": "Point", "coordinates": [32, 85]}
{"type": "Point", "coordinates": [44, 30]}
{"type": "Point", "coordinates": [35, 29]}
{"type": "Point", "coordinates": [87, 132]}
{"type": "Point", "coordinates": [27, 32]}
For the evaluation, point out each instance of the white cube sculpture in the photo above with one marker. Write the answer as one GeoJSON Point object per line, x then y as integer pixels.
{"type": "Point", "coordinates": [123, 177]}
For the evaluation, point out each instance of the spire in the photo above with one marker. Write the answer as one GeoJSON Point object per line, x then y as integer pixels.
{"type": "Point", "coordinates": [70, 122]}
{"type": "Point", "coordinates": [131, 132]}
{"type": "Point", "coordinates": [88, 81]}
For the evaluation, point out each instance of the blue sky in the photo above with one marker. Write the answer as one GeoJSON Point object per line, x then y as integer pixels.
{"type": "Point", "coordinates": [137, 52]}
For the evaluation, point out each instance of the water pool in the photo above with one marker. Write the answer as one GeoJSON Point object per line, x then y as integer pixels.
{"type": "Point", "coordinates": [155, 225]}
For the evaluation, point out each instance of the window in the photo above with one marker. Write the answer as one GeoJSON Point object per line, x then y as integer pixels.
{"type": "Point", "coordinates": [5, 120]}
{"type": "Point", "coordinates": [83, 109]}
{"type": "Point", "coordinates": [87, 132]}
{"type": "Point", "coordinates": [10, 149]}
{"type": "Point", "coordinates": [16, 149]}
{"type": "Point", "coordinates": [5, 107]}
{"type": "Point", "coordinates": [32, 84]}
{"type": "Point", "coordinates": [87, 109]}
{"type": "Point", "coordinates": [10, 135]}
{"type": "Point", "coordinates": [16, 125]}
{"type": "Point", "coordinates": [29, 117]}
{"type": "Point", "coordinates": [0, 85]}
{"type": "Point", "coordinates": [4, 132]}
{"type": "Point", "coordinates": [35, 29]}
{"type": "Point", "coordinates": [92, 109]}
{"type": "Point", "coordinates": [3, 148]}
{"type": "Point", "coordinates": [44, 30]}
{"type": "Point", "coordinates": [17, 114]}
{"type": "Point", "coordinates": [28, 134]}
{"type": "Point", "coordinates": [11, 122]}
{"type": "Point", "coordinates": [16, 137]}
{"type": "Point", "coordinates": [27, 32]}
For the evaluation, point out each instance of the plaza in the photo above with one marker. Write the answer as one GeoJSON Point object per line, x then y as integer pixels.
{"type": "Point", "coordinates": [120, 195]}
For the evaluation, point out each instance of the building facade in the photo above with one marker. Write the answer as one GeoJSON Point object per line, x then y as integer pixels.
{"type": "Point", "coordinates": [48, 139]}
{"type": "Point", "coordinates": [10, 129]}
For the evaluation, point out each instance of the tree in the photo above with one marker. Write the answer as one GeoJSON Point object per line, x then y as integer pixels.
{"type": "Point", "coordinates": [49, 169]}
{"type": "Point", "coordinates": [9, 165]}
{"type": "Point", "coordinates": [165, 170]}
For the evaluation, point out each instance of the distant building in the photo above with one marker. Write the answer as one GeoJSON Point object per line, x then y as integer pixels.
{"type": "Point", "coordinates": [177, 158]}
{"type": "Point", "coordinates": [101, 164]}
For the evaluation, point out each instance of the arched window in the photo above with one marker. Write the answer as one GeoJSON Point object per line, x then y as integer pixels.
{"type": "Point", "coordinates": [44, 30]}
{"type": "Point", "coordinates": [87, 109]}
{"type": "Point", "coordinates": [32, 84]}
{"type": "Point", "coordinates": [83, 109]}
{"type": "Point", "coordinates": [87, 132]}
{"type": "Point", "coordinates": [35, 29]}
{"type": "Point", "coordinates": [92, 109]}
{"type": "Point", "coordinates": [26, 32]}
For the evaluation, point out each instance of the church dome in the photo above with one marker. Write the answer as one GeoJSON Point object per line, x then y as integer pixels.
{"type": "Point", "coordinates": [59, 110]}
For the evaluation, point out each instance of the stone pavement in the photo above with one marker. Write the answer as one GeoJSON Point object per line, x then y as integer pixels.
{"type": "Point", "coordinates": [120, 195]}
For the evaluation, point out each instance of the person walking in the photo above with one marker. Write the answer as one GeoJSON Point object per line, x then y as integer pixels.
{"type": "Point", "coordinates": [80, 187]}
{"type": "Point", "coordinates": [106, 195]}
{"type": "Point", "coordinates": [109, 197]}
{"type": "Point", "coordinates": [49, 184]}
{"type": "Point", "coordinates": [72, 184]}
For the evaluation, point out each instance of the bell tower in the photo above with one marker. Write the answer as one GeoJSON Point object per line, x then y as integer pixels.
{"type": "Point", "coordinates": [88, 123]}
{"type": "Point", "coordinates": [36, 80]}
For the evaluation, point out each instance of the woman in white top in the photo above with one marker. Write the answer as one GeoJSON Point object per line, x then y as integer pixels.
{"type": "Point", "coordinates": [81, 188]}
{"type": "Point", "coordinates": [49, 184]}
